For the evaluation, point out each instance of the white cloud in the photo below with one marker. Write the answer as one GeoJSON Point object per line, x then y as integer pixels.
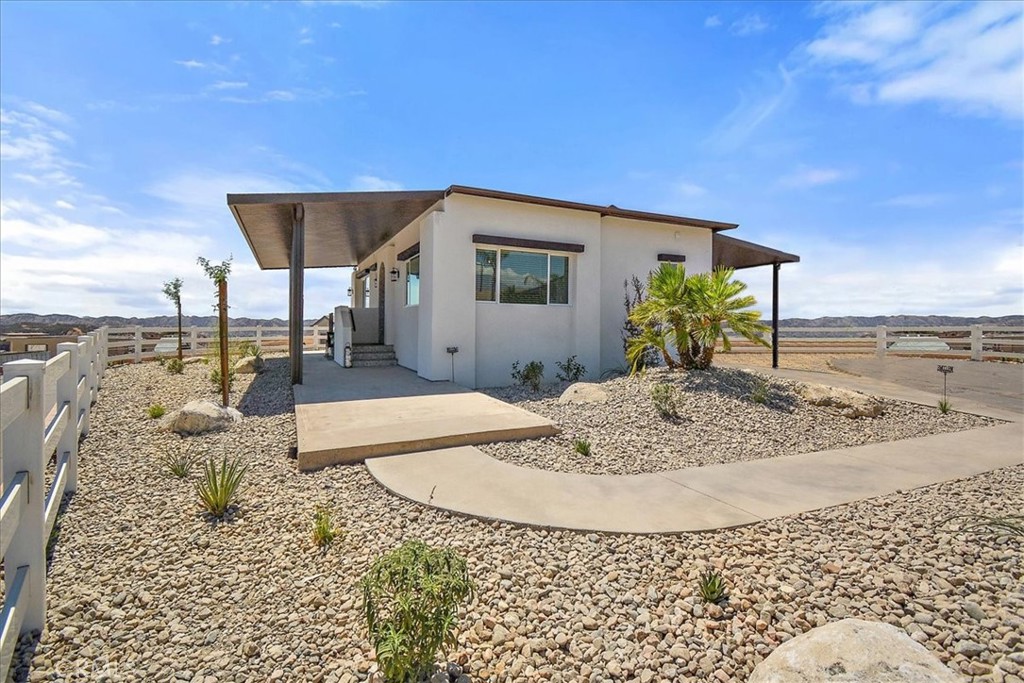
{"type": "Point", "coordinates": [967, 57]}
{"type": "Point", "coordinates": [712, 22]}
{"type": "Point", "coordinates": [304, 36]}
{"type": "Point", "coordinates": [754, 109]}
{"type": "Point", "coordinates": [916, 201]}
{"type": "Point", "coordinates": [280, 95]}
{"type": "Point", "coordinates": [191, 63]}
{"type": "Point", "coordinates": [806, 177]}
{"type": "Point", "coordinates": [229, 85]}
{"type": "Point", "coordinates": [748, 25]}
{"type": "Point", "coordinates": [61, 204]}
{"type": "Point", "coordinates": [689, 190]}
{"type": "Point", "coordinates": [34, 145]}
{"type": "Point", "coordinates": [369, 183]}
{"type": "Point", "coordinates": [218, 40]}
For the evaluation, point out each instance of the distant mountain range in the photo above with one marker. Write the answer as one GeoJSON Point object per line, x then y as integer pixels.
{"type": "Point", "coordinates": [59, 323]}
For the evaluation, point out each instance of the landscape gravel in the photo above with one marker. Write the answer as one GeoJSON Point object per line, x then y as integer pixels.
{"type": "Point", "coordinates": [718, 422]}
{"type": "Point", "coordinates": [142, 587]}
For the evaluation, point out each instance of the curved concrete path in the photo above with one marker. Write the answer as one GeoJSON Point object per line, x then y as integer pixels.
{"type": "Point", "coordinates": [468, 481]}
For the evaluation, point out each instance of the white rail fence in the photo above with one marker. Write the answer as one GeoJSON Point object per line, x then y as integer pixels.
{"type": "Point", "coordinates": [136, 344]}
{"type": "Point", "coordinates": [44, 410]}
{"type": "Point", "coordinates": [977, 342]}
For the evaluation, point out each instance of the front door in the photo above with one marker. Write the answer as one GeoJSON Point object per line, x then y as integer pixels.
{"type": "Point", "coordinates": [381, 289]}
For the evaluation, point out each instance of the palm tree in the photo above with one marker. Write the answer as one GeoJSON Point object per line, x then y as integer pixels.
{"type": "Point", "coordinates": [690, 313]}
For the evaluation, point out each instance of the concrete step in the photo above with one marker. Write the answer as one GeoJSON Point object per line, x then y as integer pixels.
{"type": "Point", "coordinates": [372, 348]}
{"type": "Point", "coordinates": [374, 355]}
{"type": "Point", "coordinates": [373, 363]}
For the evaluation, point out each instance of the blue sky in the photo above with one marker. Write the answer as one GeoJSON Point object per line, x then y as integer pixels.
{"type": "Point", "coordinates": [881, 142]}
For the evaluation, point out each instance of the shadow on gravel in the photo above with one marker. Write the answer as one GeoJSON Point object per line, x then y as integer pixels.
{"type": "Point", "coordinates": [270, 392]}
{"type": "Point", "coordinates": [740, 385]}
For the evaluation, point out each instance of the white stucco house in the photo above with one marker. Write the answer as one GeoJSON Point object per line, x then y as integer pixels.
{"type": "Point", "coordinates": [498, 276]}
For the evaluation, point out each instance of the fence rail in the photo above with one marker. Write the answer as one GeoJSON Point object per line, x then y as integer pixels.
{"type": "Point", "coordinates": [977, 342]}
{"type": "Point", "coordinates": [132, 345]}
{"type": "Point", "coordinates": [44, 410]}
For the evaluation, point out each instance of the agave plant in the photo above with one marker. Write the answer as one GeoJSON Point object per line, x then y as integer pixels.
{"type": "Point", "coordinates": [218, 487]}
{"type": "Point", "coordinates": [690, 313]}
{"type": "Point", "coordinates": [711, 586]}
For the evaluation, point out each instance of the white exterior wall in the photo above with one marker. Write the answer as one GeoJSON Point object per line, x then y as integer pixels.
{"type": "Point", "coordinates": [491, 336]}
{"type": "Point", "coordinates": [631, 248]}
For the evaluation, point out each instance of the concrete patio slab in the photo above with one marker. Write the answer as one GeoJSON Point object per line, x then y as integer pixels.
{"type": "Point", "coordinates": [345, 415]}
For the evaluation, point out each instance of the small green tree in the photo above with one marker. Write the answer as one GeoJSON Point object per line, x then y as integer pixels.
{"type": "Point", "coordinates": [219, 275]}
{"type": "Point", "coordinates": [691, 313]}
{"type": "Point", "coordinates": [172, 290]}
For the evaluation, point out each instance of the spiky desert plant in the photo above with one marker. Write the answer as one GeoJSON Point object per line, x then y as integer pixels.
{"type": "Point", "coordinates": [581, 446]}
{"type": "Point", "coordinates": [155, 411]}
{"type": "Point", "coordinates": [218, 487]}
{"type": "Point", "coordinates": [944, 406]}
{"type": "Point", "coordinates": [759, 394]}
{"type": "Point", "coordinates": [178, 463]}
{"type": "Point", "coordinates": [995, 525]}
{"type": "Point", "coordinates": [175, 366]}
{"type": "Point", "coordinates": [411, 599]}
{"type": "Point", "coordinates": [324, 531]}
{"type": "Point", "coordinates": [711, 586]}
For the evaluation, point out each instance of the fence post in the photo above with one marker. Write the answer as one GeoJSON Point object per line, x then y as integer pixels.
{"type": "Point", "coordinates": [259, 336]}
{"type": "Point", "coordinates": [193, 339]}
{"type": "Point", "coordinates": [977, 345]}
{"type": "Point", "coordinates": [316, 337]}
{"type": "Point", "coordinates": [103, 353]}
{"type": "Point", "coordinates": [84, 371]}
{"type": "Point", "coordinates": [881, 339]}
{"type": "Point", "coordinates": [138, 344]}
{"type": "Point", "coordinates": [67, 394]}
{"type": "Point", "coordinates": [23, 452]}
{"type": "Point", "coordinates": [94, 379]}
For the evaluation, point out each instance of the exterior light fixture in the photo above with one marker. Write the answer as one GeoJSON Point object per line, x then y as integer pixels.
{"type": "Point", "coordinates": [350, 292]}
{"type": "Point", "coordinates": [394, 274]}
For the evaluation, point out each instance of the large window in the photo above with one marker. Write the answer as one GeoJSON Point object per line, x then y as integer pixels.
{"type": "Point", "coordinates": [412, 281]}
{"type": "Point", "coordinates": [521, 277]}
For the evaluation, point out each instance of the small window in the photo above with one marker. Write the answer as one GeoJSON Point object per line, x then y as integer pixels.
{"type": "Point", "coordinates": [412, 281]}
{"type": "Point", "coordinates": [486, 261]}
{"type": "Point", "coordinates": [559, 280]}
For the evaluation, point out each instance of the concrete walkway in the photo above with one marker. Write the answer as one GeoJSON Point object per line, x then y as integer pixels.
{"type": "Point", "coordinates": [467, 481]}
{"type": "Point", "coordinates": [345, 415]}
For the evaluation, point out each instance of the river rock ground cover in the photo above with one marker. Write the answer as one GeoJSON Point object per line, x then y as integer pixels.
{"type": "Point", "coordinates": [143, 588]}
{"type": "Point", "coordinates": [718, 422]}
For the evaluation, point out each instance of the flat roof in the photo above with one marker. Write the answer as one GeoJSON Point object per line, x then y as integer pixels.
{"type": "Point", "coordinates": [733, 253]}
{"type": "Point", "coordinates": [343, 228]}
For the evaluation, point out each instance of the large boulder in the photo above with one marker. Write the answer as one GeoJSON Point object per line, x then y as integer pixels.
{"type": "Point", "coordinates": [249, 365]}
{"type": "Point", "coordinates": [583, 392]}
{"type": "Point", "coordinates": [852, 651]}
{"type": "Point", "coordinates": [201, 417]}
{"type": "Point", "coordinates": [847, 403]}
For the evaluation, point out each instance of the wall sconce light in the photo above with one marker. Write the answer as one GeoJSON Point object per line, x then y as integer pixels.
{"type": "Point", "coordinates": [350, 292]}
{"type": "Point", "coordinates": [394, 274]}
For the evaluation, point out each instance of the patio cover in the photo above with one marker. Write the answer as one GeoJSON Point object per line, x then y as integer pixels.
{"type": "Point", "coordinates": [733, 253]}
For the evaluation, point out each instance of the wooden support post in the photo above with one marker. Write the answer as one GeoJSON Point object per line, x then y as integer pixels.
{"type": "Point", "coordinates": [222, 309]}
{"type": "Point", "coordinates": [295, 284]}
{"type": "Point", "coordinates": [23, 454]}
{"type": "Point", "coordinates": [775, 314]}
{"type": "Point", "coordinates": [67, 395]}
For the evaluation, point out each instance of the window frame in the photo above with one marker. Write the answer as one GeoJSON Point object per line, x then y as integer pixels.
{"type": "Point", "coordinates": [419, 279]}
{"type": "Point", "coordinates": [497, 274]}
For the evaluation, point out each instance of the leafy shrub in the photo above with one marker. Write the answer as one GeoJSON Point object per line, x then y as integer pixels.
{"type": "Point", "coordinates": [156, 410]}
{"type": "Point", "coordinates": [175, 366]}
{"type": "Point", "coordinates": [411, 599]}
{"type": "Point", "coordinates": [178, 464]}
{"type": "Point", "coordinates": [581, 446]}
{"type": "Point", "coordinates": [944, 406]}
{"type": "Point", "coordinates": [571, 370]}
{"type": "Point", "coordinates": [665, 400]}
{"type": "Point", "coordinates": [711, 586]}
{"type": "Point", "coordinates": [324, 531]}
{"type": "Point", "coordinates": [218, 487]}
{"type": "Point", "coordinates": [530, 376]}
{"type": "Point", "coordinates": [161, 361]}
{"type": "Point", "coordinates": [759, 394]}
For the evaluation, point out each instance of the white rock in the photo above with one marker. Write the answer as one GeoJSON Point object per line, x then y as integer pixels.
{"type": "Point", "coordinates": [249, 365]}
{"type": "Point", "coordinates": [850, 404]}
{"type": "Point", "coordinates": [852, 650]}
{"type": "Point", "coordinates": [583, 392]}
{"type": "Point", "coordinates": [200, 417]}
